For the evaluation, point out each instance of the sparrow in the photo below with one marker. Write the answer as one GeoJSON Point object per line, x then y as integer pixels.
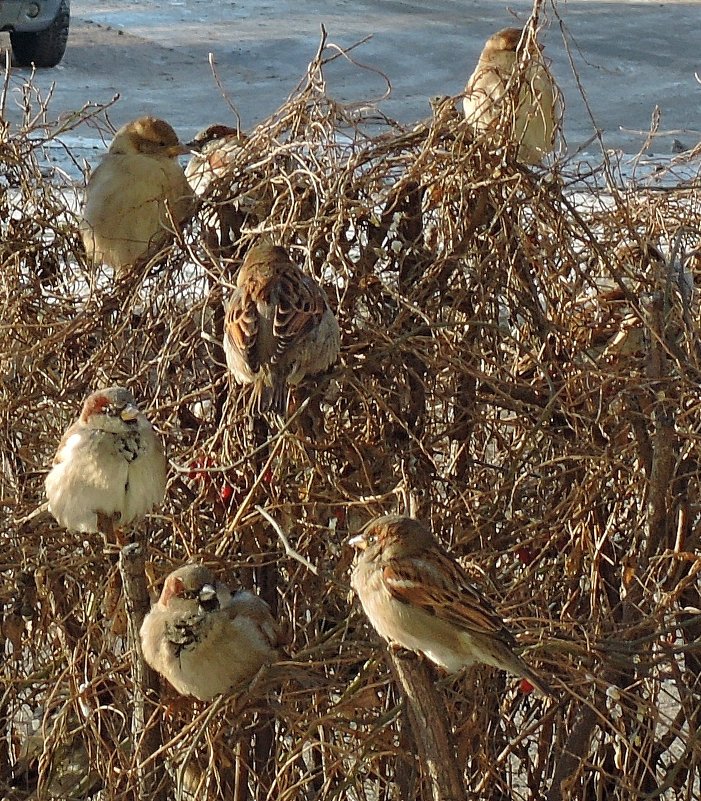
{"type": "Point", "coordinates": [134, 192]}
{"type": "Point", "coordinates": [278, 327]}
{"type": "Point", "coordinates": [532, 117]}
{"type": "Point", "coordinates": [418, 597]}
{"type": "Point", "coordinates": [110, 466]}
{"type": "Point", "coordinates": [214, 150]}
{"type": "Point", "coordinates": [205, 640]}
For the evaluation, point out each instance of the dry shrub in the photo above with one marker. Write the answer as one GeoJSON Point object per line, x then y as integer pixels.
{"type": "Point", "coordinates": [519, 368]}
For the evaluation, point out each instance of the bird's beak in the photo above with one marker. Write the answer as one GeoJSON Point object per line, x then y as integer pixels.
{"type": "Point", "coordinates": [359, 542]}
{"type": "Point", "coordinates": [207, 592]}
{"type": "Point", "coordinates": [193, 146]}
{"type": "Point", "coordinates": [178, 150]}
{"type": "Point", "coordinates": [129, 413]}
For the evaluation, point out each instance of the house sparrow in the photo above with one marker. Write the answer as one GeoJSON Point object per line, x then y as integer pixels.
{"type": "Point", "coordinates": [278, 327]}
{"type": "Point", "coordinates": [533, 114]}
{"type": "Point", "coordinates": [110, 467]}
{"type": "Point", "coordinates": [132, 195]}
{"type": "Point", "coordinates": [205, 640]}
{"type": "Point", "coordinates": [214, 151]}
{"type": "Point", "coordinates": [417, 596]}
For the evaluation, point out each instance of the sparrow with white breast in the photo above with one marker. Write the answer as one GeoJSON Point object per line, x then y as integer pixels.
{"type": "Point", "coordinates": [215, 149]}
{"type": "Point", "coordinates": [135, 195]}
{"type": "Point", "coordinates": [416, 596]}
{"type": "Point", "coordinates": [204, 639]}
{"type": "Point", "coordinates": [278, 327]}
{"type": "Point", "coordinates": [530, 117]}
{"type": "Point", "coordinates": [110, 466]}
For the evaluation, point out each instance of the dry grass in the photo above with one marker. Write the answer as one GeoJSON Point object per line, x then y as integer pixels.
{"type": "Point", "coordinates": [519, 369]}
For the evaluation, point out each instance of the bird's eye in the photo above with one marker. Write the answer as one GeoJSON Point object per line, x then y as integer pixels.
{"type": "Point", "coordinates": [371, 539]}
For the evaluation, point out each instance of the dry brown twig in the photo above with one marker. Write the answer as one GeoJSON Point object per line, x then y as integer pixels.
{"type": "Point", "coordinates": [479, 304]}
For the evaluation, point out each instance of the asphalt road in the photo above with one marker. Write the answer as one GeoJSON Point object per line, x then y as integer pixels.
{"type": "Point", "coordinates": [629, 58]}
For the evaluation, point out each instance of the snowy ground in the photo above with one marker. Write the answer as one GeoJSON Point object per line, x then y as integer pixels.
{"type": "Point", "coordinates": [154, 54]}
{"type": "Point", "coordinates": [630, 56]}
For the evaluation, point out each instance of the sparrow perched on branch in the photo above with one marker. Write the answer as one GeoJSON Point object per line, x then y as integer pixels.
{"type": "Point", "coordinates": [278, 327]}
{"type": "Point", "coordinates": [214, 151]}
{"type": "Point", "coordinates": [526, 111]}
{"type": "Point", "coordinates": [110, 467]}
{"type": "Point", "coordinates": [417, 596]}
{"type": "Point", "coordinates": [205, 640]}
{"type": "Point", "coordinates": [136, 195]}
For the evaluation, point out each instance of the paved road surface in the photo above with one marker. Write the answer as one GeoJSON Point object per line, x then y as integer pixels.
{"type": "Point", "coordinates": [630, 57]}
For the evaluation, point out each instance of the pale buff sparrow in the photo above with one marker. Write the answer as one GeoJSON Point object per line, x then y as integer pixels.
{"type": "Point", "coordinates": [532, 117]}
{"type": "Point", "coordinates": [418, 597]}
{"type": "Point", "coordinates": [110, 466]}
{"type": "Point", "coordinates": [136, 194]}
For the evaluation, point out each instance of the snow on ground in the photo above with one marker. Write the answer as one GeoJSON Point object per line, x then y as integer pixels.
{"type": "Point", "coordinates": [630, 57]}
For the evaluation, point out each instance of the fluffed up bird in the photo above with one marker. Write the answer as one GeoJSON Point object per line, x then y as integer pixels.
{"type": "Point", "coordinates": [214, 151]}
{"type": "Point", "coordinates": [418, 597]}
{"type": "Point", "coordinates": [135, 195]}
{"type": "Point", "coordinates": [205, 640]}
{"type": "Point", "coordinates": [529, 118]}
{"type": "Point", "coordinates": [110, 466]}
{"type": "Point", "coordinates": [278, 327]}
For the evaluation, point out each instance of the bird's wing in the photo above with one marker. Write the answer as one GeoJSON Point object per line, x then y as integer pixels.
{"type": "Point", "coordinates": [439, 586]}
{"type": "Point", "coordinates": [75, 432]}
{"type": "Point", "coordinates": [241, 326]}
{"type": "Point", "coordinates": [300, 306]}
{"type": "Point", "coordinates": [251, 606]}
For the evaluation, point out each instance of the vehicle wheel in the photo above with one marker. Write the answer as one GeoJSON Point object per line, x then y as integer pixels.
{"type": "Point", "coordinates": [45, 48]}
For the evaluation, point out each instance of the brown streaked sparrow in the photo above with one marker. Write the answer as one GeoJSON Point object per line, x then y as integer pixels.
{"type": "Point", "coordinates": [278, 327]}
{"type": "Point", "coordinates": [110, 467]}
{"type": "Point", "coordinates": [417, 596]}
{"type": "Point", "coordinates": [135, 194]}
{"type": "Point", "coordinates": [205, 640]}
{"type": "Point", "coordinates": [533, 114]}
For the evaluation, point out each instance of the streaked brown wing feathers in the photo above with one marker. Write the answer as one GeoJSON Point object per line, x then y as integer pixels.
{"type": "Point", "coordinates": [441, 590]}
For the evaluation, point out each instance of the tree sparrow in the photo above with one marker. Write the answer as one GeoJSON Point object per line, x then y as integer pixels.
{"type": "Point", "coordinates": [278, 327]}
{"type": "Point", "coordinates": [532, 117]}
{"type": "Point", "coordinates": [205, 640]}
{"type": "Point", "coordinates": [417, 596]}
{"type": "Point", "coordinates": [133, 194]}
{"type": "Point", "coordinates": [110, 467]}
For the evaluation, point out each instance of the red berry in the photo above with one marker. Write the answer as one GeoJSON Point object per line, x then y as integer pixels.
{"type": "Point", "coordinates": [525, 686]}
{"type": "Point", "coordinates": [226, 493]}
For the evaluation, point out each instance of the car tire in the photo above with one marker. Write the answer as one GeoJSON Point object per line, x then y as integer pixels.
{"type": "Point", "coordinates": [44, 48]}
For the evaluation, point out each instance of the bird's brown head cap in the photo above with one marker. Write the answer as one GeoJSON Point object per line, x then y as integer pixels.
{"type": "Point", "coordinates": [215, 133]}
{"type": "Point", "coordinates": [389, 532]}
{"type": "Point", "coordinates": [149, 136]}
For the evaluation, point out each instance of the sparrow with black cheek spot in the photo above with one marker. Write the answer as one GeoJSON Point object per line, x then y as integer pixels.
{"type": "Point", "coordinates": [278, 327]}
{"type": "Point", "coordinates": [135, 194]}
{"type": "Point", "coordinates": [417, 596]}
{"type": "Point", "coordinates": [532, 116]}
{"type": "Point", "coordinates": [110, 466]}
{"type": "Point", "coordinates": [204, 639]}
